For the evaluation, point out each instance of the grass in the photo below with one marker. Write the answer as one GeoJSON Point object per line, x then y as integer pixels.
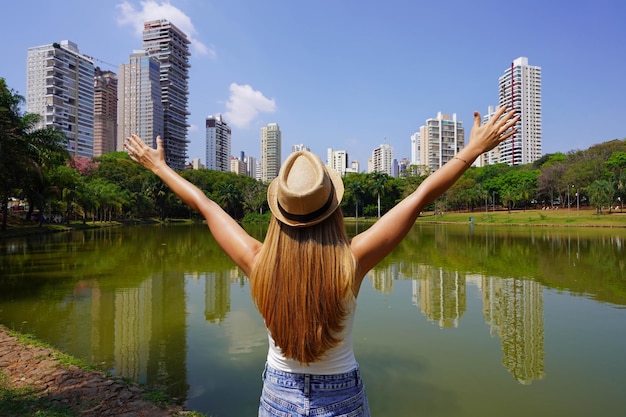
{"type": "Point", "coordinates": [17, 227]}
{"type": "Point", "coordinates": [16, 402]}
{"type": "Point", "coordinates": [27, 402]}
{"type": "Point", "coordinates": [561, 217]}
{"type": "Point", "coordinates": [63, 359]}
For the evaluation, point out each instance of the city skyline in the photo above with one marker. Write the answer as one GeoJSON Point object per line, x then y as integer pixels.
{"type": "Point", "coordinates": [360, 76]}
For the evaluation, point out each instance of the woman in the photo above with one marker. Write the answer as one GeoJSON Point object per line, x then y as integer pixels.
{"type": "Point", "coordinates": [305, 276]}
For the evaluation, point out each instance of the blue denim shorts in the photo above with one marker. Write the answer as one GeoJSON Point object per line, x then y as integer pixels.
{"type": "Point", "coordinates": [294, 395]}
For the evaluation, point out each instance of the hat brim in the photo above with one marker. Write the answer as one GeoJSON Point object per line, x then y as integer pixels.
{"type": "Point", "coordinates": [272, 201]}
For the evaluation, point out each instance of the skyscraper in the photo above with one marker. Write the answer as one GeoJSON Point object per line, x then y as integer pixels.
{"type": "Point", "coordinates": [251, 166]}
{"type": "Point", "coordinates": [270, 152]}
{"type": "Point", "coordinates": [139, 106]}
{"type": "Point", "coordinates": [520, 88]}
{"type": "Point", "coordinates": [217, 144]}
{"type": "Point", "coordinates": [170, 46]}
{"type": "Point", "coordinates": [337, 160]}
{"type": "Point", "coordinates": [441, 138]}
{"type": "Point", "coordinates": [60, 88]}
{"type": "Point", "coordinates": [105, 112]}
{"type": "Point", "coordinates": [382, 159]}
{"type": "Point", "coordinates": [415, 149]}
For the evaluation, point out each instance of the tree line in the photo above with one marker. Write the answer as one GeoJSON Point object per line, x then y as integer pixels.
{"type": "Point", "coordinates": [36, 167]}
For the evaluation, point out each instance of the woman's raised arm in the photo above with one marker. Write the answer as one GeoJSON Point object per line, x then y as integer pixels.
{"type": "Point", "coordinates": [371, 246]}
{"type": "Point", "coordinates": [232, 238]}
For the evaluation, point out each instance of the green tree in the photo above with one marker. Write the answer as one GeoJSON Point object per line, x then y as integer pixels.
{"type": "Point", "coordinates": [69, 185]}
{"type": "Point", "coordinates": [355, 191]}
{"type": "Point", "coordinates": [27, 152]}
{"type": "Point", "coordinates": [599, 193]}
{"type": "Point", "coordinates": [376, 184]}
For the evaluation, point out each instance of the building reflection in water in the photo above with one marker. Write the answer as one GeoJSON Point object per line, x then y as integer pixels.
{"type": "Point", "coordinates": [513, 308]}
{"type": "Point", "coordinates": [243, 330]}
{"type": "Point", "coordinates": [217, 295]}
{"type": "Point", "coordinates": [138, 332]}
{"type": "Point", "coordinates": [440, 296]}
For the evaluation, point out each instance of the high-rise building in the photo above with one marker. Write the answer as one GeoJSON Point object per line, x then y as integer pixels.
{"type": "Point", "coordinates": [440, 139]}
{"type": "Point", "coordinates": [196, 164]}
{"type": "Point", "coordinates": [237, 166]}
{"type": "Point", "coordinates": [520, 88]}
{"type": "Point", "coordinates": [105, 112]}
{"type": "Point", "coordinates": [167, 43]}
{"type": "Point", "coordinates": [60, 88]}
{"type": "Point", "coordinates": [415, 149]}
{"type": "Point", "coordinates": [270, 152]}
{"type": "Point", "coordinates": [251, 166]}
{"type": "Point", "coordinates": [139, 106]}
{"type": "Point", "coordinates": [337, 160]}
{"type": "Point", "coordinates": [217, 144]}
{"type": "Point", "coordinates": [382, 159]}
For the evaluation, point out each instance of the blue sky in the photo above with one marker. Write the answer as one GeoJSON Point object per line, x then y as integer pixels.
{"type": "Point", "coordinates": [351, 74]}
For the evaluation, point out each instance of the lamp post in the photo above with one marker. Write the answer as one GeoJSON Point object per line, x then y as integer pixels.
{"type": "Point", "coordinates": [568, 201]}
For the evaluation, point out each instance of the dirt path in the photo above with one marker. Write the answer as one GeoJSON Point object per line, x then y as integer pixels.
{"type": "Point", "coordinates": [88, 393]}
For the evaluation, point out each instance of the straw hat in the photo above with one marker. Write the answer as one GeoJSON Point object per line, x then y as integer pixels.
{"type": "Point", "coordinates": [305, 191]}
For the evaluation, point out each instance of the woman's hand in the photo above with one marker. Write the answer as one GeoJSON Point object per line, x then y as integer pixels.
{"type": "Point", "coordinates": [146, 156]}
{"type": "Point", "coordinates": [496, 130]}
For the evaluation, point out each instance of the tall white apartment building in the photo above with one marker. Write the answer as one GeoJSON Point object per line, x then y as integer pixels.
{"type": "Point", "coordinates": [170, 46]}
{"type": "Point", "coordinates": [218, 136]}
{"type": "Point", "coordinates": [415, 149]}
{"type": "Point", "coordinates": [382, 159]}
{"type": "Point", "coordinates": [270, 151]}
{"type": "Point", "coordinates": [257, 174]}
{"type": "Point", "coordinates": [139, 107]}
{"type": "Point", "coordinates": [441, 138]}
{"type": "Point", "coordinates": [338, 160]}
{"type": "Point", "coordinates": [60, 88]}
{"type": "Point", "coordinates": [520, 88]}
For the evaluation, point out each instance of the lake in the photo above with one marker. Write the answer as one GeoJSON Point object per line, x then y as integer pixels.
{"type": "Point", "coordinates": [459, 320]}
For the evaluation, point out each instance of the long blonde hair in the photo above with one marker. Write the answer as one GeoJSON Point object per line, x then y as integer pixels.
{"type": "Point", "coordinates": [300, 284]}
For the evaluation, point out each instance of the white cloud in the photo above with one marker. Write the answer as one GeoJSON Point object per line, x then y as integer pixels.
{"type": "Point", "coordinates": [244, 104]}
{"type": "Point", "coordinates": [153, 10]}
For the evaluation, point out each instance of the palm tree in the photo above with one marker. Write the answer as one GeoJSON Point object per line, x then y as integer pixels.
{"type": "Point", "coordinates": [377, 185]}
{"type": "Point", "coordinates": [508, 195]}
{"type": "Point", "coordinates": [26, 151]}
{"type": "Point", "coordinates": [357, 190]}
{"type": "Point", "coordinates": [229, 198]}
{"type": "Point", "coordinates": [482, 193]}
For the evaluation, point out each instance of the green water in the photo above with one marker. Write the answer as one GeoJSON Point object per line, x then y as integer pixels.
{"type": "Point", "coordinates": [458, 320]}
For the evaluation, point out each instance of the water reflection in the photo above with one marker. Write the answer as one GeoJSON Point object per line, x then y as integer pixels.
{"type": "Point", "coordinates": [512, 308]}
{"type": "Point", "coordinates": [128, 298]}
{"type": "Point", "coordinates": [137, 332]}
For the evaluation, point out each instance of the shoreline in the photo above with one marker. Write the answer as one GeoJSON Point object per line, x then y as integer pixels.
{"type": "Point", "coordinates": [584, 218]}
{"type": "Point", "coordinates": [36, 378]}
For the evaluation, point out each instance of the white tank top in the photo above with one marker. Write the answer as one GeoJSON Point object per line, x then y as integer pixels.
{"type": "Point", "coordinates": [337, 360]}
